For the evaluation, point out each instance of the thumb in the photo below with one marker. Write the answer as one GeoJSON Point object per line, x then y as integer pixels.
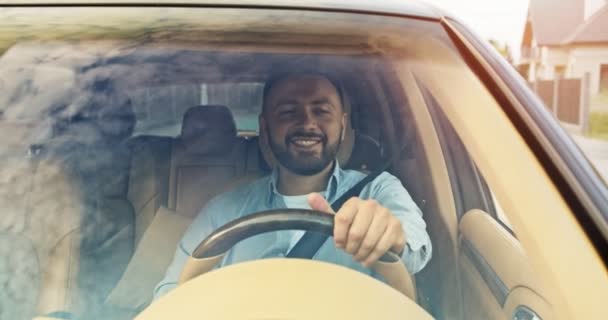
{"type": "Point", "coordinates": [317, 202]}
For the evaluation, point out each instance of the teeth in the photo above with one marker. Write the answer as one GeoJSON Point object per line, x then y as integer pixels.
{"type": "Point", "coordinates": [305, 142]}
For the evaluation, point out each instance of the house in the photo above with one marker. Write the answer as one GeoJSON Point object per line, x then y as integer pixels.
{"type": "Point", "coordinates": [566, 38]}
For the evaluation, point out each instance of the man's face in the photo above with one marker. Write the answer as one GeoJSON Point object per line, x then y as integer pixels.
{"type": "Point", "coordinates": [304, 121]}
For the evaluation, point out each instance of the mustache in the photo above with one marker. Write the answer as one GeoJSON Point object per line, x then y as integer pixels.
{"type": "Point", "coordinates": [304, 134]}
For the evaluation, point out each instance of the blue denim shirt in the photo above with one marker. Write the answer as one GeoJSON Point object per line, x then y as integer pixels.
{"type": "Point", "coordinates": [262, 195]}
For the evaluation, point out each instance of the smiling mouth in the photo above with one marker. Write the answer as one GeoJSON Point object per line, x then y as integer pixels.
{"type": "Point", "coordinates": [306, 142]}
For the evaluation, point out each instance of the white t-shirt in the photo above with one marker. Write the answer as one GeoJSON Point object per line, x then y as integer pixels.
{"type": "Point", "coordinates": [297, 202]}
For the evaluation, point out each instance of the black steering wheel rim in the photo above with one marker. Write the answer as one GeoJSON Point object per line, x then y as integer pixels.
{"type": "Point", "coordinates": [224, 238]}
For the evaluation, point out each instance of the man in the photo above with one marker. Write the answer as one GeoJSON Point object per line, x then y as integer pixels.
{"type": "Point", "coordinates": [304, 120]}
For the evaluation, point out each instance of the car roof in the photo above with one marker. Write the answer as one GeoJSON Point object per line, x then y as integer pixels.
{"type": "Point", "coordinates": [389, 7]}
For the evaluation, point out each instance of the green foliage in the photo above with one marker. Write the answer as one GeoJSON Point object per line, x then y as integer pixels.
{"type": "Point", "coordinates": [598, 125]}
{"type": "Point", "coordinates": [503, 49]}
{"type": "Point", "coordinates": [602, 97]}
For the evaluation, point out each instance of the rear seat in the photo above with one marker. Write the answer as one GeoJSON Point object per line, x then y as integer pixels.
{"type": "Point", "coordinates": [148, 178]}
{"type": "Point", "coordinates": [206, 158]}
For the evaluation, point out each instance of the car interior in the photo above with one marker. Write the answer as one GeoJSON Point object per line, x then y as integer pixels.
{"type": "Point", "coordinates": [111, 168]}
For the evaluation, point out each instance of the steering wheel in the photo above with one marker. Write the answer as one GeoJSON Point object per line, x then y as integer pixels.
{"type": "Point", "coordinates": [211, 250]}
{"type": "Point", "coordinates": [224, 238]}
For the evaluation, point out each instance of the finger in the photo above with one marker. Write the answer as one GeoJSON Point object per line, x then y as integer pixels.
{"type": "Point", "coordinates": [360, 225]}
{"type": "Point", "coordinates": [384, 244]}
{"type": "Point", "coordinates": [317, 202]}
{"type": "Point", "coordinates": [376, 229]}
{"type": "Point", "coordinates": [400, 239]}
{"type": "Point", "coordinates": [399, 245]}
{"type": "Point", "coordinates": [343, 220]}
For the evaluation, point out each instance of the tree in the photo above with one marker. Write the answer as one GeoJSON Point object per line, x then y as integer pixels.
{"type": "Point", "coordinates": [503, 49]}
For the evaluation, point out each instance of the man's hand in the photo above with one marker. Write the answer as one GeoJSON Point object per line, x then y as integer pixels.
{"type": "Point", "coordinates": [363, 228]}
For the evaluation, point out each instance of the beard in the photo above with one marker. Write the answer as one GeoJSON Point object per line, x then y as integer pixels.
{"type": "Point", "coordinates": [304, 163]}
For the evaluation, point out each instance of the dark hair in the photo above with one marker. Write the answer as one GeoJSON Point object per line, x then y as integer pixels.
{"type": "Point", "coordinates": [276, 78]}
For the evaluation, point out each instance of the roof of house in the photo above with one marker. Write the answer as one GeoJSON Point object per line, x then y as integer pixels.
{"type": "Point", "coordinates": [593, 30]}
{"type": "Point", "coordinates": [563, 22]}
{"type": "Point", "coordinates": [552, 21]}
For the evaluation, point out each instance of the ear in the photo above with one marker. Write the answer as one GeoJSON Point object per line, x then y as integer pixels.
{"type": "Point", "coordinates": [343, 133]}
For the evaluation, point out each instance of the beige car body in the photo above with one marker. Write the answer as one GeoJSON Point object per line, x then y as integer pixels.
{"type": "Point", "coordinates": [554, 266]}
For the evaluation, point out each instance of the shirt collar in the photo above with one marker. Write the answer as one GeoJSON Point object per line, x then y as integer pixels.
{"type": "Point", "coordinates": [331, 188]}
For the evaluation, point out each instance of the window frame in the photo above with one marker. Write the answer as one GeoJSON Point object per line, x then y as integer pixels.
{"type": "Point", "coordinates": [469, 188]}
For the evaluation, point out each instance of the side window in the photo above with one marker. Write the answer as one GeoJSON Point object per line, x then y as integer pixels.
{"type": "Point", "coordinates": [159, 110]}
{"type": "Point", "coordinates": [243, 99]}
{"type": "Point", "coordinates": [470, 188]}
{"type": "Point", "coordinates": [500, 214]}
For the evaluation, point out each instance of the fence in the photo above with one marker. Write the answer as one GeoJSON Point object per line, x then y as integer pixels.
{"type": "Point", "coordinates": [567, 99]}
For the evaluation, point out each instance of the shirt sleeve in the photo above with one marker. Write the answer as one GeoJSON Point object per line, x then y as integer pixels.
{"type": "Point", "coordinates": [200, 228]}
{"type": "Point", "coordinates": [390, 193]}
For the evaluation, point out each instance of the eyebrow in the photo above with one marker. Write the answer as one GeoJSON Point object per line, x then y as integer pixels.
{"type": "Point", "coordinates": [281, 105]}
{"type": "Point", "coordinates": [323, 100]}
{"type": "Point", "coordinates": [284, 102]}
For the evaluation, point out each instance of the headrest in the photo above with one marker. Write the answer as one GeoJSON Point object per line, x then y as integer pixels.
{"type": "Point", "coordinates": [346, 147]}
{"type": "Point", "coordinates": [208, 130]}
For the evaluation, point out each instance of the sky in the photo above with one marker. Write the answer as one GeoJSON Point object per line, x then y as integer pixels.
{"type": "Point", "coordinates": [502, 20]}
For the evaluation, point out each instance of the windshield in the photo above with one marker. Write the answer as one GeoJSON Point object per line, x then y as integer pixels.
{"type": "Point", "coordinates": [118, 125]}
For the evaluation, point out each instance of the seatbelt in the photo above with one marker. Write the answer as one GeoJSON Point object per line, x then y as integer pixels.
{"type": "Point", "coordinates": [310, 242]}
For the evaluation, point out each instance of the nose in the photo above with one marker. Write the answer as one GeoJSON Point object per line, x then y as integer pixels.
{"type": "Point", "coordinates": [307, 119]}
